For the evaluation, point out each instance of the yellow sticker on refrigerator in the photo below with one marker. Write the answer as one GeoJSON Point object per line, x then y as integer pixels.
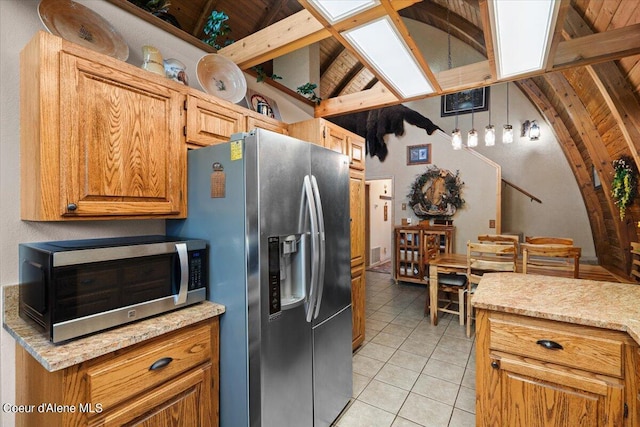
{"type": "Point", "coordinates": [236, 150]}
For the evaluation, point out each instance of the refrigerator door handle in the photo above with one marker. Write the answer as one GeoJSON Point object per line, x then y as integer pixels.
{"type": "Point", "coordinates": [322, 253]}
{"type": "Point", "coordinates": [183, 256]}
{"type": "Point", "coordinates": [315, 254]}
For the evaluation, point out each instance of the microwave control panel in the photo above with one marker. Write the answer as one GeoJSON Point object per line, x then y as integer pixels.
{"type": "Point", "coordinates": [196, 275]}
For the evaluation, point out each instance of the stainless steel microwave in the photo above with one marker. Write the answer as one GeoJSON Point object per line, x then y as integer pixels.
{"type": "Point", "coordinates": [77, 287]}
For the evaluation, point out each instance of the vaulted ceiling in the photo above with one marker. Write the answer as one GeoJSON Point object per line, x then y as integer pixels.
{"type": "Point", "coordinates": [589, 93]}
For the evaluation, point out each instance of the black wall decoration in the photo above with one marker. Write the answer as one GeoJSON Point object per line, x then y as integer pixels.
{"type": "Point", "coordinates": [373, 125]}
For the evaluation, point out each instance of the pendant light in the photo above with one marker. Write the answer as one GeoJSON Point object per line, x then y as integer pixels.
{"type": "Point", "coordinates": [472, 136]}
{"type": "Point", "coordinates": [507, 130]}
{"type": "Point", "coordinates": [490, 132]}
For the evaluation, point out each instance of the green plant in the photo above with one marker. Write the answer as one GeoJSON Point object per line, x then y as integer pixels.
{"type": "Point", "coordinates": [216, 26]}
{"type": "Point", "coordinates": [262, 75]}
{"type": "Point", "coordinates": [308, 90]}
{"type": "Point", "coordinates": [624, 187]}
{"type": "Point", "coordinates": [153, 6]}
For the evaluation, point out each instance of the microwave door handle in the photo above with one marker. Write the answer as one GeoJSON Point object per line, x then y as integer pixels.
{"type": "Point", "coordinates": [314, 247]}
{"type": "Point", "coordinates": [321, 252]}
{"type": "Point", "coordinates": [183, 256]}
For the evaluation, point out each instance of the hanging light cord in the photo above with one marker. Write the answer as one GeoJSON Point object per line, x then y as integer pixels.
{"type": "Point", "coordinates": [507, 103]}
{"type": "Point", "coordinates": [449, 62]}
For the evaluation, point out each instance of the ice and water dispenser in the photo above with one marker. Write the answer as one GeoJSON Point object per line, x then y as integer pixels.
{"type": "Point", "coordinates": [288, 272]}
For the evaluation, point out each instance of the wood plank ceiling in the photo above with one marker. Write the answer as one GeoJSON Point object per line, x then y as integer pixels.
{"type": "Point", "coordinates": [589, 95]}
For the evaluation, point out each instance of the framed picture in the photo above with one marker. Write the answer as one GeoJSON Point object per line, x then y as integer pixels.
{"type": "Point", "coordinates": [419, 154]}
{"type": "Point", "coordinates": [262, 104]}
{"type": "Point", "coordinates": [465, 101]}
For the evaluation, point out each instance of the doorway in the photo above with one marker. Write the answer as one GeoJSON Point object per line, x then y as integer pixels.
{"type": "Point", "coordinates": [379, 221]}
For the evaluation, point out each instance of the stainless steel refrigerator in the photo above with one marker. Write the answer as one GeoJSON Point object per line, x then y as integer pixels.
{"type": "Point", "coordinates": [276, 215]}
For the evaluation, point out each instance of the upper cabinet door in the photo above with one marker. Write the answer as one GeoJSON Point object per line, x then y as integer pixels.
{"type": "Point", "coordinates": [335, 138]}
{"type": "Point", "coordinates": [122, 151]}
{"type": "Point", "coordinates": [210, 123]}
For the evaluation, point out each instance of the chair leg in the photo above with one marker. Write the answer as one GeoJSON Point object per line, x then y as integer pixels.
{"type": "Point", "coordinates": [461, 303]}
{"type": "Point", "coordinates": [469, 315]}
{"type": "Point", "coordinates": [426, 303]}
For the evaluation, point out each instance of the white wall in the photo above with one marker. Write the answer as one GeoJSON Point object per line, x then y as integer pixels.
{"type": "Point", "coordinates": [19, 21]}
{"type": "Point", "coordinates": [381, 231]}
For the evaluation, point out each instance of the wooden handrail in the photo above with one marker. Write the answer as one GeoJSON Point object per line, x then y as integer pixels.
{"type": "Point", "coordinates": [522, 190]}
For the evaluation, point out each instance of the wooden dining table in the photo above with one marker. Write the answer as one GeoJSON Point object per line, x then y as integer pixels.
{"type": "Point", "coordinates": [457, 263]}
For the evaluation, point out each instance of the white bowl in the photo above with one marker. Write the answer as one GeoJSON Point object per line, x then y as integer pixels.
{"type": "Point", "coordinates": [221, 77]}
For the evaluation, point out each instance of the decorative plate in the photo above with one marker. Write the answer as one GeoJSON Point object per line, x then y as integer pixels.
{"type": "Point", "coordinates": [258, 102]}
{"type": "Point", "coordinates": [79, 24]}
{"type": "Point", "coordinates": [221, 77]}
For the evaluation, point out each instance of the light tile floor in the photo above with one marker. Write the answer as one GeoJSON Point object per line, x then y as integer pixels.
{"type": "Point", "coordinates": [409, 373]}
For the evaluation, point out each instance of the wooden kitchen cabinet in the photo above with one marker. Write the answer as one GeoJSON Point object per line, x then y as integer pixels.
{"type": "Point", "coordinates": [539, 372]}
{"type": "Point", "coordinates": [329, 135]}
{"type": "Point", "coordinates": [210, 121]}
{"type": "Point", "coordinates": [358, 312]}
{"type": "Point", "coordinates": [255, 120]}
{"type": "Point", "coordinates": [357, 209]}
{"type": "Point", "coordinates": [100, 139]}
{"type": "Point", "coordinates": [171, 380]}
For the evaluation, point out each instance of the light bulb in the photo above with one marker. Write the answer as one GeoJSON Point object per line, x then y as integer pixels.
{"type": "Point", "coordinates": [507, 134]}
{"type": "Point", "coordinates": [490, 136]}
{"type": "Point", "coordinates": [456, 139]}
{"type": "Point", "coordinates": [472, 138]}
{"type": "Point", "coordinates": [534, 131]}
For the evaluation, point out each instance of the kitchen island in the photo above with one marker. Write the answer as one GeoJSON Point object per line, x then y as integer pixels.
{"type": "Point", "coordinates": [143, 373]}
{"type": "Point", "coordinates": [554, 351]}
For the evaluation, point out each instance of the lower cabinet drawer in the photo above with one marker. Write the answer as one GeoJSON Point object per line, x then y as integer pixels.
{"type": "Point", "coordinates": [132, 372]}
{"type": "Point", "coordinates": [575, 346]}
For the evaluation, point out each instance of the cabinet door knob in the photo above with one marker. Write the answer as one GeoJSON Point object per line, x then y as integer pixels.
{"type": "Point", "coordinates": [550, 345]}
{"type": "Point", "coordinates": [72, 207]}
{"type": "Point", "coordinates": [495, 364]}
{"type": "Point", "coordinates": [160, 363]}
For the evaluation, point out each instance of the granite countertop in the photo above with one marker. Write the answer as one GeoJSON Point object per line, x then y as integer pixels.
{"type": "Point", "coordinates": [59, 356]}
{"type": "Point", "coordinates": [606, 305]}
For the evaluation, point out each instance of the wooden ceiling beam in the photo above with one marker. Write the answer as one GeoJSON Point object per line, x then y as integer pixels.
{"type": "Point", "coordinates": [292, 33]}
{"type": "Point", "coordinates": [298, 30]}
{"type": "Point", "coordinates": [479, 74]}
{"type": "Point", "coordinates": [598, 47]}
{"type": "Point", "coordinates": [376, 97]}
{"type": "Point", "coordinates": [613, 87]}
{"type": "Point", "coordinates": [489, 33]}
{"type": "Point", "coordinates": [557, 36]}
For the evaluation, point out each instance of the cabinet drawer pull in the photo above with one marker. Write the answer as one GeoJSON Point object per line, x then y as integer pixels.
{"type": "Point", "coordinates": [160, 363]}
{"type": "Point", "coordinates": [495, 364]}
{"type": "Point", "coordinates": [72, 207]}
{"type": "Point", "coordinates": [550, 345]}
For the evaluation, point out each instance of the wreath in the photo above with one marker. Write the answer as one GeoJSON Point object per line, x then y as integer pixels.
{"type": "Point", "coordinates": [436, 193]}
{"type": "Point", "coordinates": [625, 183]}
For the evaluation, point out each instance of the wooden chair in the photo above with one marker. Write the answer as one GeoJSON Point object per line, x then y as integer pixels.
{"type": "Point", "coordinates": [503, 238]}
{"type": "Point", "coordinates": [553, 260]}
{"type": "Point", "coordinates": [448, 284]}
{"type": "Point", "coordinates": [487, 257]}
{"type": "Point", "coordinates": [635, 261]}
{"type": "Point", "coordinates": [544, 240]}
